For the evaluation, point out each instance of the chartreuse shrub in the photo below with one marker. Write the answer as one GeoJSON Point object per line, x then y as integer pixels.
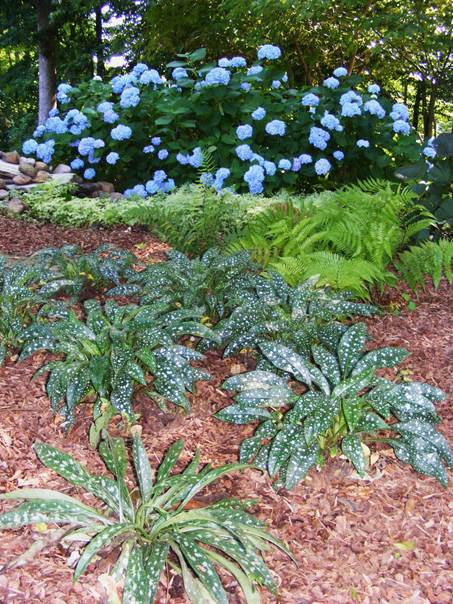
{"type": "Point", "coordinates": [111, 349]}
{"type": "Point", "coordinates": [155, 526]}
{"type": "Point", "coordinates": [331, 400]}
{"type": "Point", "coordinates": [348, 237]}
{"type": "Point", "coordinates": [148, 130]}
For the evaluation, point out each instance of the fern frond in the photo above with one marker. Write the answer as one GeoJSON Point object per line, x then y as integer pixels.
{"type": "Point", "coordinates": [433, 259]}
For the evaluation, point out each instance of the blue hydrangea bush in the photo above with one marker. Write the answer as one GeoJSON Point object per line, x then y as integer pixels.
{"type": "Point", "coordinates": [150, 131]}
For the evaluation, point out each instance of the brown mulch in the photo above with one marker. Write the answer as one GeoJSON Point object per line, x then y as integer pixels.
{"type": "Point", "coordinates": [384, 539]}
{"type": "Point", "coordinates": [22, 238]}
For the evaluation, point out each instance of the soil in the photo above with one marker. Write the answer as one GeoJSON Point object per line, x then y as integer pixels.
{"type": "Point", "coordinates": [383, 539]}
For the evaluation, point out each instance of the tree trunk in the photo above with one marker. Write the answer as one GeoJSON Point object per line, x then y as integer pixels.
{"type": "Point", "coordinates": [99, 43]}
{"type": "Point", "coordinates": [429, 124]}
{"type": "Point", "coordinates": [47, 61]}
{"type": "Point", "coordinates": [417, 101]}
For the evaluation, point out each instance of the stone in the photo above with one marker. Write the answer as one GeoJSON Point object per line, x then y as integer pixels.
{"type": "Point", "coordinates": [12, 157]}
{"type": "Point", "coordinates": [40, 165]}
{"type": "Point", "coordinates": [3, 194]}
{"type": "Point", "coordinates": [27, 160]}
{"type": "Point", "coordinates": [63, 179]}
{"type": "Point", "coordinates": [22, 179]}
{"type": "Point", "coordinates": [62, 169]}
{"type": "Point", "coordinates": [85, 189]}
{"type": "Point", "coordinates": [42, 176]}
{"type": "Point", "coordinates": [27, 169]}
{"type": "Point", "coordinates": [98, 194]}
{"type": "Point", "coordinates": [8, 170]}
{"type": "Point", "coordinates": [106, 187]}
{"type": "Point", "coordinates": [16, 206]}
{"type": "Point", "coordinates": [116, 196]}
{"type": "Point", "coordinates": [2, 183]}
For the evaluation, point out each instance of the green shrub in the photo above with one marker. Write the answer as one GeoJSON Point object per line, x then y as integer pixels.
{"type": "Point", "coordinates": [139, 115]}
{"type": "Point", "coordinates": [432, 178]}
{"type": "Point", "coordinates": [273, 310]}
{"type": "Point", "coordinates": [153, 526]}
{"type": "Point", "coordinates": [214, 284]}
{"type": "Point", "coordinates": [344, 405]}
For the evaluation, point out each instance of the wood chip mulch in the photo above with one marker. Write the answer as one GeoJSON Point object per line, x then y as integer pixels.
{"type": "Point", "coordinates": [22, 238]}
{"type": "Point", "coordinates": [384, 539]}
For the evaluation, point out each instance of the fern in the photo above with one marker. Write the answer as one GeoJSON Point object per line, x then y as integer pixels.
{"type": "Point", "coordinates": [434, 259]}
{"type": "Point", "coordinates": [334, 270]}
{"type": "Point", "coordinates": [348, 237]}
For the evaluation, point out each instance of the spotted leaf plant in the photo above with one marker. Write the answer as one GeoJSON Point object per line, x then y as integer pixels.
{"type": "Point", "coordinates": [111, 350]}
{"type": "Point", "coordinates": [156, 526]}
{"type": "Point", "coordinates": [18, 301]}
{"type": "Point", "coordinates": [272, 310]}
{"type": "Point", "coordinates": [214, 283]}
{"type": "Point", "coordinates": [332, 401]}
{"type": "Point", "coordinates": [69, 270]}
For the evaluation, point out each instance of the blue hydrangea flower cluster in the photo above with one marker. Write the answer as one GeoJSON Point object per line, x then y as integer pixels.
{"type": "Point", "coordinates": [259, 114]}
{"type": "Point", "coordinates": [130, 97]}
{"type": "Point", "coordinates": [121, 132]}
{"type": "Point", "coordinates": [269, 52]}
{"type": "Point", "coordinates": [322, 166]}
{"type": "Point", "coordinates": [362, 143]}
{"type": "Point", "coordinates": [373, 107]}
{"type": "Point", "coordinates": [331, 83]}
{"type": "Point", "coordinates": [243, 132]}
{"type": "Point", "coordinates": [244, 152]}
{"type": "Point", "coordinates": [318, 137]}
{"type": "Point", "coordinates": [218, 75]}
{"type": "Point", "coordinates": [254, 177]}
{"type": "Point", "coordinates": [276, 128]}
{"type": "Point", "coordinates": [310, 100]}
{"type": "Point", "coordinates": [63, 93]}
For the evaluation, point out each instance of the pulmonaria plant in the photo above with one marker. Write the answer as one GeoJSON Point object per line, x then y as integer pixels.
{"type": "Point", "coordinates": [272, 310]}
{"type": "Point", "coordinates": [110, 351]}
{"type": "Point", "coordinates": [158, 526]}
{"type": "Point", "coordinates": [69, 270]}
{"type": "Point", "coordinates": [147, 132]}
{"type": "Point", "coordinates": [331, 401]}
{"type": "Point", "coordinates": [19, 299]}
{"type": "Point", "coordinates": [213, 283]}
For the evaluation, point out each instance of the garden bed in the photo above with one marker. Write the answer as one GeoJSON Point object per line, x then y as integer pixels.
{"type": "Point", "coordinates": [382, 539]}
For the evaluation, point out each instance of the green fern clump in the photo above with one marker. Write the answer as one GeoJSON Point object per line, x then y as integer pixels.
{"type": "Point", "coordinates": [430, 258]}
{"type": "Point", "coordinates": [347, 237]}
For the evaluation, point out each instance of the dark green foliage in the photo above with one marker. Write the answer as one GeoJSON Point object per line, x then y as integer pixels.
{"type": "Point", "coordinates": [148, 523]}
{"type": "Point", "coordinates": [18, 300]}
{"type": "Point", "coordinates": [273, 310]}
{"type": "Point", "coordinates": [113, 348]}
{"type": "Point", "coordinates": [432, 179]}
{"type": "Point", "coordinates": [347, 237]}
{"type": "Point", "coordinates": [430, 258]}
{"type": "Point", "coordinates": [69, 270]}
{"type": "Point", "coordinates": [214, 284]}
{"type": "Point", "coordinates": [345, 404]}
